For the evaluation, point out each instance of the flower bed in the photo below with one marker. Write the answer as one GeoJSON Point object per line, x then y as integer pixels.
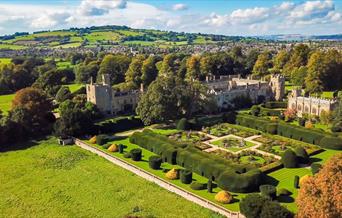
{"type": "Point", "coordinates": [232, 144]}
{"type": "Point", "coordinates": [227, 129]}
{"type": "Point", "coordinates": [193, 137]}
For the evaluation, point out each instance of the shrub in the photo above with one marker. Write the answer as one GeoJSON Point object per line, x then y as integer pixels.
{"type": "Point", "coordinates": [172, 174]}
{"type": "Point", "coordinates": [127, 155]}
{"type": "Point", "coordinates": [210, 186]}
{"type": "Point", "coordinates": [283, 192]}
{"type": "Point", "coordinates": [92, 140]}
{"type": "Point", "coordinates": [296, 182]}
{"type": "Point", "coordinates": [276, 104]}
{"type": "Point", "coordinates": [274, 209]}
{"type": "Point", "coordinates": [303, 179]}
{"type": "Point", "coordinates": [223, 197]}
{"type": "Point", "coordinates": [255, 110]}
{"type": "Point", "coordinates": [155, 162]}
{"type": "Point", "coordinates": [121, 148]}
{"type": "Point", "coordinates": [251, 205]}
{"type": "Point", "coordinates": [136, 154]}
{"type": "Point", "coordinates": [229, 117]}
{"type": "Point", "coordinates": [113, 148]}
{"type": "Point", "coordinates": [302, 155]}
{"type": "Point", "coordinates": [268, 191]}
{"type": "Point", "coordinates": [106, 146]}
{"type": "Point", "coordinates": [197, 186]}
{"type": "Point", "coordinates": [315, 167]}
{"type": "Point", "coordinates": [301, 121]}
{"type": "Point", "coordinates": [336, 129]}
{"type": "Point", "coordinates": [289, 159]}
{"type": "Point", "coordinates": [183, 124]}
{"type": "Point", "coordinates": [331, 142]}
{"type": "Point", "coordinates": [101, 139]}
{"type": "Point", "coordinates": [186, 176]}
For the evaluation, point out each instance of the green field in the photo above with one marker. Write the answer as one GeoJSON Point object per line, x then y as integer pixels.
{"type": "Point", "coordinates": [74, 87]}
{"type": "Point", "coordinates": [5, 60]}
{"type": "Point", "coordinates": [12, 46]}
{"type": "Point", "coordinates": [48, 180]}
{"type": "Point", "coordinates": [6, 102]}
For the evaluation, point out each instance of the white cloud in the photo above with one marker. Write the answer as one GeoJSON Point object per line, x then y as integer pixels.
{"type": "Point", "coordinates": [100, 7]}
{"type": "Point", "coordinates": [179, 7]}
{"type": "Point", "coordinates": [250, 15]}
{"type": "Point", "coordinates": [50, 20]}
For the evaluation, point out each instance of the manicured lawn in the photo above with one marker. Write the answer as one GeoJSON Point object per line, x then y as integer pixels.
{"type": "Point", "coordinates": [166, 131]}
{"type": "Point", "coordinates": [232, 144]}
{"type": "Point", "coordinates": [324, 156]}
{"type": "Point", "coordinates": [6, 102]}
{"type": "Point", "coordinates": [48, 180]}
{"type": "Point", "coordinates": [5, 60]}
{"type": "Point", "coordinates": [248, 160]}
{"type": "Point", "coordinates": [74, 87]}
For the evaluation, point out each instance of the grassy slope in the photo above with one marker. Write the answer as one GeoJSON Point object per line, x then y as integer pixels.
{"type": "Point", "coordinates": [74, 87]}
{"type": "Point", "coordinates": [48, 180]}
{"type": "Point", "coordinates": [6, 102]}
{"type": "Point", "coordinates": [5, 60]}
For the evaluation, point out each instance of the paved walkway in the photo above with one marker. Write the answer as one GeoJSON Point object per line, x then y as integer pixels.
{"type": "Point", "coordinates": [162, 183]}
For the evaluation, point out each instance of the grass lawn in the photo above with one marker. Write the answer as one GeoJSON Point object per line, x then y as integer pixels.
{"type": "Point", "coordinates": [48, 180]}
{"type": "Point", "coordinates": [6, 102]}
{"type": "Point", "coordinates": [233, 144]}
{"type": "Point", "coordinates": [74, 87]}
{"type": "Point", "coordinates": [64, 64]}
{"type": "Point", "coordinates": [12, 46]}
{"type": "Point", "coordinates": [5, 60]}
{"type": "Point", "coordinates": [327, 95]}
{"type": "Point", "coordinates": [256, 159]}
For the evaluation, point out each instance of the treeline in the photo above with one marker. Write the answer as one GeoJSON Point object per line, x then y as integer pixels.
{"type": "Point", "coordinates": [314, 70]}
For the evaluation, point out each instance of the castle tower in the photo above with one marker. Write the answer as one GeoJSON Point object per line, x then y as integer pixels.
{"type": "Point", "coordinates": [106, 79]}
{"type": "Point", "coordinates": [278, 86]}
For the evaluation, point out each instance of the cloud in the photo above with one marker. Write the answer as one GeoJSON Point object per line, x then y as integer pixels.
{"type": "Point", "coordinates": [50, 20]}
{"type": "Point", "coordinates": [250, 15]}
{"type": "Point", "coordinates": [179, 7]}
{"type": "Point", "coordinates": [100, 7]}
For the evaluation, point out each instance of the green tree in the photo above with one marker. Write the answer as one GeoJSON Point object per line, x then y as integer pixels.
{"type": "Point", "coordinates": [298, 76]}
{"type": "Point", "coordinates": [149, 70]}
{"type": "Point", "coordinates": [193, 67]}
{"type": "Point", "coordinates": [263, 64]}
{"type": "Point", "coordinates": [251, 206]}
{"type": "Point", "coordinates": [280, 60]}
{"type": "Point", "coordinates": [298, 57]}
{"type": "Point", "coordinates": [63, 94]}
{"type": "Point", "coordinates": [84, 72]}
{"type": "Point", "coordinates": [114, 65]}
{"type": "Point", "coordinates": [134, 72]}
{"type": "Point", "coordinates": [317, 70]}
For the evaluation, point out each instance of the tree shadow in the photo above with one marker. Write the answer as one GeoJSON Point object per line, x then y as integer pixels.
{"type": "Point", "coordinates": [315, 159]}
{"type": "Point", "coordinates": [22, 145]}
{"type": "Point", "coordinates": [270, 180]}
{"type": "Point", "coordinates": [285, 199]}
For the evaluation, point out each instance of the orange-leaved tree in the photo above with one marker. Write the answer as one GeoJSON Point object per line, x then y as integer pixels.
{"type": "Point", "coordinates": [321, 194]}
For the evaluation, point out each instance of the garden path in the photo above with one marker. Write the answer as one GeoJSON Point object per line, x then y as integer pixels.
{"type": "Point", "coordinates": [162, 183]}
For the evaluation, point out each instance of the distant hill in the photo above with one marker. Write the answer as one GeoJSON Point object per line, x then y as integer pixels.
{"type": "Point", "coordinates": [109, 36]}
{"type": "Point", "coordinates": [299, 37]}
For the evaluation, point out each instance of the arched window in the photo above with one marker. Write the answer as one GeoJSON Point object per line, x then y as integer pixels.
{"type": "Point", "coordinates": [314, 110]}
{"type": "Point", "coordinates": [306, 109]}
{"type": "Point", "coordinates": [299, 108]}
{"type": "Point", "coordinates": [293, 106]}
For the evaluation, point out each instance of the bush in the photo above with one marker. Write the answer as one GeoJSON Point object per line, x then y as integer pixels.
{"type": "Point", "coordinates": [315, 168]}
{"type": "Point", "coordinates": [92, 140]}
{"type": "Point", "coordinates": [274, 209]}
{"type": "Point", "coordinates": [136, 154]}
{"type": "Point", "coordinates": [229, 117]}
{"type": "Point", "coordinates": [331, 142]}
{"type": "Point", "coordinates": [268, 191]}
{"type": "Point", "coordinates": [296, 182]}
{"type": "Point", "coordinates": [113, 148]}
{"type": "Point", "coordinates": [186, 176]}
{"type": "Point", "coordinates": [101, 139]}
{"type": "Point", "coordinates": [223, 197]}
{"type": "Point", "coordinates": [289, 159]}
{"type": "Point", "coordinates": [183, 124]}
{"type": "Point", "coordinates": [155, 162]}
{"type": "Point", "coordinates": [302, 155]}
{"type": "Point", "coordinates": [301, 121]}
{"type": "Point", "coordinates": [121, 148]}
{"type": "Point", "coordinates": [210, 186]}
{"type": "Point", "coordinates": [276, 104]}
{"type": "Point", "coordinates": [251, 205]}
{"type": "Point", "coordinates": [197, 186]}
{"type": "Point", "coordinates": [106, 146]}
{"type": "Point", "coordinates": [283, 192]}
{"type": "Point", "coordinates": [255, 110]}
{"type": "Point", "coordinates": [172, 174]}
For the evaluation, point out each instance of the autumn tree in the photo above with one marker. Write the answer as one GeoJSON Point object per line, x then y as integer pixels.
{"type": "Point", "coordinates": [193, 67]}
{"type": "Point", "coordinates": [280, 60]}
{"type": "Point", "coordinates": [263, 64]}
{"type": "Point", "coordinates": [321, 195]}
{"type": "Point", "coordinates": [317, 70]}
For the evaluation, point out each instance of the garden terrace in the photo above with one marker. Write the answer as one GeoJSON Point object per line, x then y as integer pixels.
{"type": "Point", "coordinates": [228, 129]}
{"type": "Point", "coordinates": [232, 143]}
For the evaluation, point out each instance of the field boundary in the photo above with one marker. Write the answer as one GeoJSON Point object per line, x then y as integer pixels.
{"type": "Point", "coordinates": [162, 183]}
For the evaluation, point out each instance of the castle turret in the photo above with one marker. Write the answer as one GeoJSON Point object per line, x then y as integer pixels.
{"type": "Point", "coordinates": [278, 86]}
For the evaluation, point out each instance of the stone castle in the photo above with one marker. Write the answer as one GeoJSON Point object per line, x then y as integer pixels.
{"type": "Point", "coordinates": [309, 105]}
{"type": "Point", "coordinates": [229, 87]}
{"type": "Point", "coordinates": [110, 101]}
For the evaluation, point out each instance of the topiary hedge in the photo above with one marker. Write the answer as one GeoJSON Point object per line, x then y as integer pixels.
{"type": "Point", "coordinates": [119, 125]}
{"type": "Point", "coordinates": [331, 142]}
{"type": "Point", "coordinates": [136, 154]}
{"type": "Point", "coordinates": [197, 186]}
{"type": "Point", "coordinates": [269, 112]}
{"type": "Point", "coordinates": [302, 155]}
{"type": "Point", "coordinates": [186, 176]}
{"type": "Point", "coordinates": [155, 162]}
{"type": "Point", "coordinates": [315, 168]}
{"type": "Point", "coordinates": [204, 164]}
{"type": "Point", "coordinates": [268, 191]}
{"type": "Point", "coordinates": [289, 159]}
{"type": "Point", "coordinates": [257, 123]}
{"type": "Point", "coordinates": [101, 139]}
{"type": "Point", "coordinates": [276, 104]}
{"type": "Point", "coordinates": [183, 124]}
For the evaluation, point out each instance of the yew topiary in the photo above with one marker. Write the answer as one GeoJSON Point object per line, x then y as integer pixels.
{"type": "Point", "coordinates": [172, 174]}
{"type": "Point", "coordinates": [223, 197]}
{"type": "Point", "coordinates": [113, 148]}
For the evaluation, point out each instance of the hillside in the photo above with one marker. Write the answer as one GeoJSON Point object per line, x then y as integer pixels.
{"type": "Point", "coordinates": [108, 36]}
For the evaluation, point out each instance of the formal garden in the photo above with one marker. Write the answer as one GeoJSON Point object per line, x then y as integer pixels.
{"type": "Point", "coordinates": [186, 158]}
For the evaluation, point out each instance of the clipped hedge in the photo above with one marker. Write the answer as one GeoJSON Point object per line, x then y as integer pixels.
{"type": "Point", "coordinates": [186, 176]}
{"type": "Point", "coordinates": [101, 139]}
{"type": "Point", "coordinates": [155, 162]}
{"type": "Point", "coordinates": [289, 159]}
{"type": "Point", "coordinates": [276, 104]}
{"type": "Point", "coordinates": [269, 112]}
{"type": "Point", "coordinates": [197, 186]}
{"type": "Point", "coordinates": [257, 123]}
{"type": "Point", "coordinates": [268, 191]}
{"type": "Point", "coordinates": [119, 125]}
{"type": "Point", "coordinates": [331, 142]}
{"type": "Point", "coordinates": [230, 176]}
{"type": "Point", "coordinates": [136, 154]}
{"type": "Point", "coordinates": [302, 155]}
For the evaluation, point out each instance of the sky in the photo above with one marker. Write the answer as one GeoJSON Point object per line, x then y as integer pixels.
{"type": "Point", "coordinates": [228, 17]}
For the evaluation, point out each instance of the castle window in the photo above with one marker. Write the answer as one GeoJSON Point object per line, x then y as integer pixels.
{"type": "Point", "coordinates": [306, 109]}
{"type": "Point", "coordinates": [293, 106]}
{"type": "Point", "coordinates": [314, 110]}
{"type": "Point", "coordinates": [299, 108]}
